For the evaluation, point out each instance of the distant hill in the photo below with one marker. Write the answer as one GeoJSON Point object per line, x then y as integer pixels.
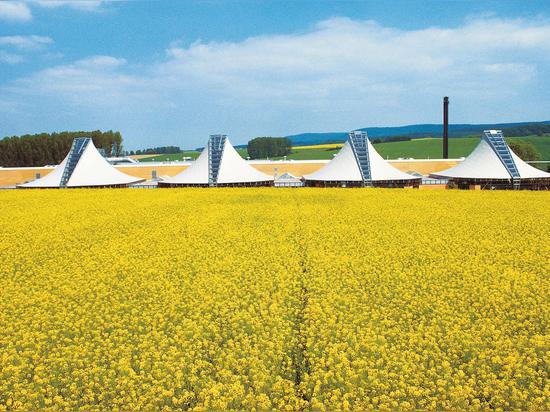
{"type": "Point", "coordinates": [414, 131]}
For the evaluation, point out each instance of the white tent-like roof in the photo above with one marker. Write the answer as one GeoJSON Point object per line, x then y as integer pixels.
{"type": "Point", "coordinates": [358, 161]}
{"type": "Point", "coordinates": [287, 176]}
{"type": "Point", "coordinates": [83, 167]}
{"type": "Point", "coordinates": [288, 180]}
{"type": "Point", "coordinates": [492, 159]}
{"type": "Point", "coordinates": [219, 164]}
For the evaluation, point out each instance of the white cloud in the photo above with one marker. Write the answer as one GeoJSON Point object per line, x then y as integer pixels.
{"type": "Point", "coordinates": [342, 74]}
{"type": "Point", "coordinates": [20, 10]}
{"type": "Point", "coordinates": [87, 5]}
{"type": "Point", "coordinates": [342, 55]}
{"type": "Point", "coordinates": [10, 58]}
{"type": "Point", "coordinates": [89, 81]}
{"type": "Point", "coordinates": [25, 42]}
{"type": "Point", "coordinates": [23, 45]}
{"type": "Point", "coordinates": [15, 11]}
{"type": "Point", "coordinates": [100, 62]}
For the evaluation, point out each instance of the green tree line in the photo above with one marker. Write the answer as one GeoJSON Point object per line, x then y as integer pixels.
{"type": "Point", "coordinates": [263, 147]}
{"type": "Point", "coordinates": [527, 130]}
{"type": "Point", "coordinates": [51, 148]}
{"type": "Point", "coordinates": [157, 150]}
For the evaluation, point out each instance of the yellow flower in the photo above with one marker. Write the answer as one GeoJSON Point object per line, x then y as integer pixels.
{"type": "Point", "coordinates": [268, 298]}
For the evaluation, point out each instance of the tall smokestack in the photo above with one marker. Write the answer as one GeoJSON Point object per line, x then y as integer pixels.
{"type": "Point", "coordinates": [445, 127]}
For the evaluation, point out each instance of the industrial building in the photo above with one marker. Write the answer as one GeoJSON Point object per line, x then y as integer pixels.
{"type": "Point", "coordinates": [493, 165]}
{"type": "Point", "coordinates": [358, 164]}
{"type": "Point", "coordinates": [219, 164]}
{"type": "Point", "coordinates": [83, 166]}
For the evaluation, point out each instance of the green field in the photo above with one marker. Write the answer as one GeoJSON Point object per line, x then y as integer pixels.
{"type": "Point", "coordinates": [179, 156]}
{"type": "Point", "coordinates": [418, 149]}
{"type": "Point", "coordinates": [541, 143]}
{"type": "Point", "coordinates": [429, 148]}
{"type": "Point", "coordinates": [171, 156]}
{"type": "Point", "coordinates": [424, 148]}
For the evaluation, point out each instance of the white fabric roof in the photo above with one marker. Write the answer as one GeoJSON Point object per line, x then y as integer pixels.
{"type": "Point", "coordinates": [287, 176]}
{"type": "Point", "coordinates": [484, 163]}
{"type": "Point", "coordinates": [52, 179]}
{"type": "Point", "coordinates": [382, 170]}
{"type": "Point", "coordinates": [233, 169]}
{"type": "Point", "coordinates": [344, 167]}
{"type": "Point", "coordinates": [92, 169]}
{"type": "Point", "coordinates": [526, 171]}
{"type": "Point", "coordinates": [195, 174]}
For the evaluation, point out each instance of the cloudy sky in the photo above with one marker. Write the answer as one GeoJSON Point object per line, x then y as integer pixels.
{"type": "Point", "coordinates": [172, 72]}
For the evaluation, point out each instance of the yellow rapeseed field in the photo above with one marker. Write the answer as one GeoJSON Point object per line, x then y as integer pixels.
{"type": "Point", "coordinates": [274, 299]}
{"type": "Point", "coordinates": [319, 146]}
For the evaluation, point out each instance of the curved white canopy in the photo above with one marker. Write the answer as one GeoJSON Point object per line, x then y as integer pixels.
{"type": "Point", "coordinates": [195, 174]}
{"type": "Point", "coordinates": [381, 169]}
{"type": "Point", "coordinates": [345, 167]}
{"type": "Point", "coordinates": [484, 163]}
{"type": "Point", "coordinates": [233, 169]}
{"type": "Point", "coordinates": [91, 170]}
{"type": "Point", "coordinates": [526, 171]}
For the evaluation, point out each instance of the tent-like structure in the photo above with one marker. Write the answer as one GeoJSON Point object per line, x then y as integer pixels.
{"type": "Point", "coordinates": [288, 180]}
{"type": "Point", "coordinates": [82, 167]}
{"type": "Point", "coordinates": [492, 165]}
{"type": "Point", "coordinates": [358, 164]}
{"type": "Point", "coordinates": [219, 164]}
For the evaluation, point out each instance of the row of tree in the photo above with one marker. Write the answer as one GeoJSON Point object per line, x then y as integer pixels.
{"type": "Point", "coordinates": [50, 149]}
{"type": "Point", "coordinates": [263, 147]}
{"type": "Point", "coordinates": [156, 150]}
{"type": "Point", "coordinates": [539, 129]}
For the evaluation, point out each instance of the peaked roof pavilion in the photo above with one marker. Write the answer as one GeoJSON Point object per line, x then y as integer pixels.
{"type": "Point", "coordinates": [83, 167]}
{"type": "Point", "coordinates": [492, 161]}
{"type": "Point", "coordinates": [359, 164]}
{"type": "Point", "coordinates": [219, 164]}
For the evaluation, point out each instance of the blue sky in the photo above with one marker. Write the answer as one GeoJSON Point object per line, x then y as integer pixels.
{"type": "Point", "coordinates": [173, 72]}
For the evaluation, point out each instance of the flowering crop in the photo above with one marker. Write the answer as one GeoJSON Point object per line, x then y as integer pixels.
{"type": "Point", "coordinates": [274, 299]}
